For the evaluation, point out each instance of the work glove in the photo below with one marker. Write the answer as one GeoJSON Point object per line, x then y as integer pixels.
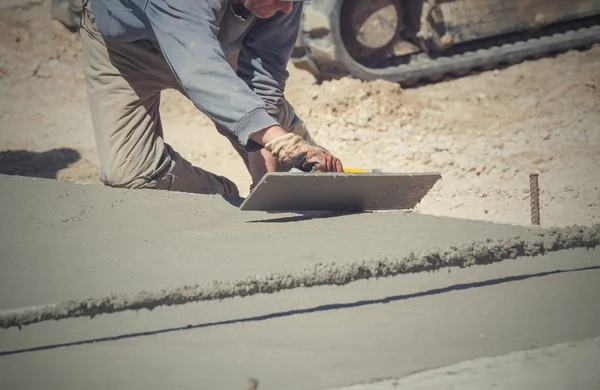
{"type": "Point", "coordinates": [294, 150]}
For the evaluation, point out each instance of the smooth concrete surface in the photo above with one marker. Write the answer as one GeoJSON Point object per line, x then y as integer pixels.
{"type": "Point", "coordinates": [62, 241]}
{"type": "Point", "coordinates": [572, 365]}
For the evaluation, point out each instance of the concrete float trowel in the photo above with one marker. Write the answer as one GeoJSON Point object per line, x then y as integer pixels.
{"type": "Point", "coordinates": [356, 189]}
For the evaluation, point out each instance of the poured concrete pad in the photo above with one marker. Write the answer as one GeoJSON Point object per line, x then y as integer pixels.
{"type": "Point", "coordinates": [94, 241]}
{"type": "Point", "coordinates": [65, 241]}
{"type": "Point", "coordinates": [339, 191]}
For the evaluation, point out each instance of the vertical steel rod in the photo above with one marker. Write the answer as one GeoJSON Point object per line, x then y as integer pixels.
{"type": "Point", "coordinates": [534, 196]}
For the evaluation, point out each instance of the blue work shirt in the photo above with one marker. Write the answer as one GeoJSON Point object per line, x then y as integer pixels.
{"type": "Point", "coordinates": [196, 38]}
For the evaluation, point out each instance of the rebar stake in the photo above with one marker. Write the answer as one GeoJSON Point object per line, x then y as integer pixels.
{"type": "Point", "coordinates": [534, 196]}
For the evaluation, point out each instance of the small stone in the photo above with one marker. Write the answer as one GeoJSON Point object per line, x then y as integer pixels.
{"type": "Point", "coordinates": [443, 158]}
{"type": "Point", "coordinates": [481, 96]}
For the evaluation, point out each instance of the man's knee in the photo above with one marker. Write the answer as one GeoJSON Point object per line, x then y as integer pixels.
{"type": "Point", "coordinates": [122, 178]}
{"type": "Point", "coordinates": [178, 177]}
{"type": "Point", "coordinates": [182, 176]}
{"type": "Point", "coordinates": [134, 168]}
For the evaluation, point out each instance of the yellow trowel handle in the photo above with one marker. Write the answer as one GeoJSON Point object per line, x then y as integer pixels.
{"type": "Point", "coordinates": [362, 170]}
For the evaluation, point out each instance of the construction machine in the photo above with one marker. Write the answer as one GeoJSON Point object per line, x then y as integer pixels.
{"type": "Point", "coordinates": [411, 41]}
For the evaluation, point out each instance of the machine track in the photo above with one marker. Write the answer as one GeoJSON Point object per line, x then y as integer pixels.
{"type": "Point", "coordinates": [465, 58]}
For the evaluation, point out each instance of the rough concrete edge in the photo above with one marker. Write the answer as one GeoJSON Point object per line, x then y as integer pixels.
{"type": "Point", "coordinates": [476, 253]}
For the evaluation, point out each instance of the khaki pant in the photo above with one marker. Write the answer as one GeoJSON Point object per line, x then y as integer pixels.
{"type": "Point", "coordinates": [124, 82]}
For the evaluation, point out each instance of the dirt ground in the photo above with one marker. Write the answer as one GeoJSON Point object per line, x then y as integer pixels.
{"type": "Point", "coordinates": [484, 133]}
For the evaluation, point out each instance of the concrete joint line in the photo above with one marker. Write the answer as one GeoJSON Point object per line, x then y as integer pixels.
{"type": "Point", "coordinates": [476, 253]}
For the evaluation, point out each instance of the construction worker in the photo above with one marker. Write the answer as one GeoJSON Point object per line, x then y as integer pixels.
{"type": "Point", "coordinates": [228, 57]}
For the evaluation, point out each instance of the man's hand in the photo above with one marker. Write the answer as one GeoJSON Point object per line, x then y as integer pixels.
{"type": "Point", "coordinates": [292, 149]}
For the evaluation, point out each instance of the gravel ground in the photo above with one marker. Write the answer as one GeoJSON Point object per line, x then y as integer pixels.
{"type": "Point", "coordinates": [484, 133]}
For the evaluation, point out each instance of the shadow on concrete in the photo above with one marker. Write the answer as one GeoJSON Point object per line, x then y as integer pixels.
{"type": "Point", "coordinates": [307, 216]}
{"type": "Point", "coordinates": [37, 164]}
{"type": "Point", "coordinates": [233, 200]}
{"type": "Point", "coordinates": [333, 306]}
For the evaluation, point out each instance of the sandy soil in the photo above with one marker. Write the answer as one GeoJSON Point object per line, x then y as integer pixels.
{"type": "Point", "coordinates": [485, 133]}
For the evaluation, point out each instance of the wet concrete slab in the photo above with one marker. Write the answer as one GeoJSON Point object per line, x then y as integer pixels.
{"type": "Point", "coordinates": [94, 241]}
{"type": "Point", "coordinates": [66, 241]}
